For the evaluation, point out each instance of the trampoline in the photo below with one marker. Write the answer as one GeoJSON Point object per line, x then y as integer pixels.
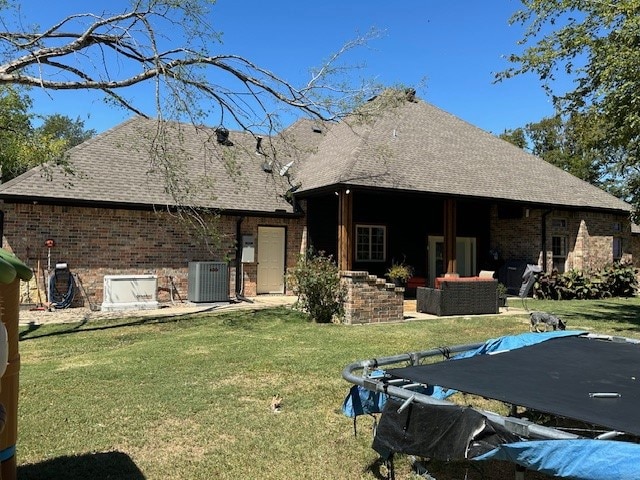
{"type": "Point", "coordinates": [588, 384]}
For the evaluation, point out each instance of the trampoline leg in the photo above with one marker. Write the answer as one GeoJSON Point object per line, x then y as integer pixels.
{"type": "Point", "coordinates": [391, 473]}
{"type": "Point", "coordinates": [520, 472]}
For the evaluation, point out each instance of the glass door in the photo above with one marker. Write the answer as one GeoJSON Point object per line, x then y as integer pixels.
{"type": "Point", "coordinates": [465, 257]}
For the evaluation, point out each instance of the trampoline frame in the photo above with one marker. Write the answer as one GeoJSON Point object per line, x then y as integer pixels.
{"type": "Point", "coordinates": [358, 373]}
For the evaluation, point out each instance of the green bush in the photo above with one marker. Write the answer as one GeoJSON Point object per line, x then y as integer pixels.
{"type": "Point", "coordinates": [617, 280]}
{"type": "Point", "coordinates": [620, 280]}
{"type": "Point", "coordinates": [316, 281]}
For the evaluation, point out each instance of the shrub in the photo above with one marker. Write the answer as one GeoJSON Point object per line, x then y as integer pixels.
{"type": "Point", "coordinates": [316, 281]}
{"type": "Point", "coordinates": [617, 280]}
{"type": "Point", "coordinates": [620, 280]}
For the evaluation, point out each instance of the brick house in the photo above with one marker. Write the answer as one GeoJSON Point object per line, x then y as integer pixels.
{"type": "Point", "coordinates": [406, 182]}
{"type": "Point", "coordinates": [418, 185]}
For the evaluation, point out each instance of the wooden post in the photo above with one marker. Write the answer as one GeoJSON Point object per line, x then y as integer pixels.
{"type": "Point", "coordinates": [345, 230]}
{"type": "Point", "coordinates": [450, 237]}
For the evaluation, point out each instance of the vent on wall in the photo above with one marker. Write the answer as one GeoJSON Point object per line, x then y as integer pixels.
{"type": "Point", "coordinates": [208, 282]}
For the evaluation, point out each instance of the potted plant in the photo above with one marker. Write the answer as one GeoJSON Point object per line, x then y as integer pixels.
{"type": "Point", "coordinates": [399, 273]}
{"type": "Point", "coordinates": [502, 295]}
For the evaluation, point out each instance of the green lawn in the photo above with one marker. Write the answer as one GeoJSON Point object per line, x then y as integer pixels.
{"type": "Point", "coordinates": [190, 397]}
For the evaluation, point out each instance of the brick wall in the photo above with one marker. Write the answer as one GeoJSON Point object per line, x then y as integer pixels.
{"type": "Point", "coordinates": [95, 242]}
{"type": "Point", "coordinates": [589, 235]}
{"type": "Point", "coordinates": [371, 299]}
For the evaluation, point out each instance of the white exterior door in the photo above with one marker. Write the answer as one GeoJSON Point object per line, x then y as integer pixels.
{"type": "Point", "coordinates": [271, 261]}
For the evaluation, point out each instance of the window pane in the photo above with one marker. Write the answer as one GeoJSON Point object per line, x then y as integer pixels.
{"type": "Point", "coordinates": [559, 252]}
{"type": "Point", "coordinates": [370, 243]}
{"type": "Point", "coordinates": [559, 246]}
{"type": "Point", "coordinates": [377, 243]}
{"type": "Point", "coordinates": [617, 248]}
{"type": "Point", "coordinates": [559, 223]}
{"type": "Point", "coordinates": [362, 243]}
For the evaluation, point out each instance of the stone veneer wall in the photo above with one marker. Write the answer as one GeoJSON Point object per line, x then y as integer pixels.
{"type": "Point", "coordinates": [95, 242]}
{"type": "Point", "coordinates": [371, 299]}
{"type": "Point", "coordinates": [589, 234]}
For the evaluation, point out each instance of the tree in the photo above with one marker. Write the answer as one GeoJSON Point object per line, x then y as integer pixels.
{"type": "Point", "coordinates": [596, 44]}
{"type": "Point", "coordinates": [23, 146]}
{"type": "Point", "coordinates": [517, 137]}
{"type": "Point", "coordinates": [566, 143]}
{"type": "Point", "coordinates": [14, 127]}
{"type": "Point", "coordinates": [61, 127]}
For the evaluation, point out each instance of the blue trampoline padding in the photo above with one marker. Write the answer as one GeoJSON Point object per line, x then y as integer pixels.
{"type": "Point", "coordinates": [517, 341]}
{"type": "Point", "coordinates": [7, 453]}
{"type": "Point", "coordinates": [574, 459]}
{"type": "Point", "coordinates": [505, 343]}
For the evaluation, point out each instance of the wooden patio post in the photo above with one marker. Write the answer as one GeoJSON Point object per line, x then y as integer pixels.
{"type": "Point", "coordinates": [345, 230]}
{"type": "Point", "coordinates": [451, 267]}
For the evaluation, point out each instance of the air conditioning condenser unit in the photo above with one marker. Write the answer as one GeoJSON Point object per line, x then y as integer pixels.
{"type": "Point", "coordinates": [208, 282]}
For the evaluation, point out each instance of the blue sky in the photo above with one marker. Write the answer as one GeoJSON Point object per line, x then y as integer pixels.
{"type": "Point", "coordinates": [452, 48]}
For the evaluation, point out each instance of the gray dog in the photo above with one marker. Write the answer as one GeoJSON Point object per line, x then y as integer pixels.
{"type": "Point", "coordinates": [541, 321]}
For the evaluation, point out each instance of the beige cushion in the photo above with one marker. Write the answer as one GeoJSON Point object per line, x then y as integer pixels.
{"type": "Point", "coordinates": [486, 274]}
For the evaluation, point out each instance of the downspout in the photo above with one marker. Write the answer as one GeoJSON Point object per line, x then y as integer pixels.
{"type": "Point", "coordinates": [239, 273]}
{"type": "Point", "coordinates": [543, 229]}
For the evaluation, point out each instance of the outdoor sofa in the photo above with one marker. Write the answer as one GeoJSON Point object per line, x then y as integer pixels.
{"type": "Point", "coordinates": [459, 296]}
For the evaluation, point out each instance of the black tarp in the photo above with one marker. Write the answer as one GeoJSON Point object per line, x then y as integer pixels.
{"type": "Point", "coordinates": [448, 432]}
{"type": "Point", "coordinates": [528, 279]}
{"type": "Point", "coordinates": [556, 376]}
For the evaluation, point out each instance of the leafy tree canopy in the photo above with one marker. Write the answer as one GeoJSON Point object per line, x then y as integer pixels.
{"type": "Point", "coordinates": [61, 127]}
{"type": "Point", "coordinates": [568, 144]}
{"type": "Point", "coordinates": [596, 44]}
{"type": "Point", "coordinates": [23, 146]}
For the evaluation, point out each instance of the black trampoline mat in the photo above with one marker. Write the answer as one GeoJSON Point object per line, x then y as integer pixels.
{"type": "Point", "coordinates": [555, 376]}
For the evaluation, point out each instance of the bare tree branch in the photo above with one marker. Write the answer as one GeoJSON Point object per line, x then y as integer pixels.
{"type": "Point", "coordinates": [81, 50]}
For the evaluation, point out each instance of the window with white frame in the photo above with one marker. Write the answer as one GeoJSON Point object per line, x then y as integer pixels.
{"type": "Point", "coordinates": [371, 243]}
{"type": "Point", "coordinates": [617, 248]}
{"type": "Point", "coordinates": [559, 252]}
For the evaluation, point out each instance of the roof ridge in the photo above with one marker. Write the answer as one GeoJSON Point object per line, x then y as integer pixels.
{"type": "Point", "coordinates": [372, 125]}
{"type": "Point", "coordinates": [354, 155]}
{"type": "Point", "coordinates": [109, 131]}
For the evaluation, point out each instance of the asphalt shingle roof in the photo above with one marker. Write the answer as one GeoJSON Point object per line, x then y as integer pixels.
{"type": "Point", "coordinates": [415, 146]}
{"type": "Point", "coordinates": [409, 145]}
{"type": "Point", "coordinates": [116, 167]}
